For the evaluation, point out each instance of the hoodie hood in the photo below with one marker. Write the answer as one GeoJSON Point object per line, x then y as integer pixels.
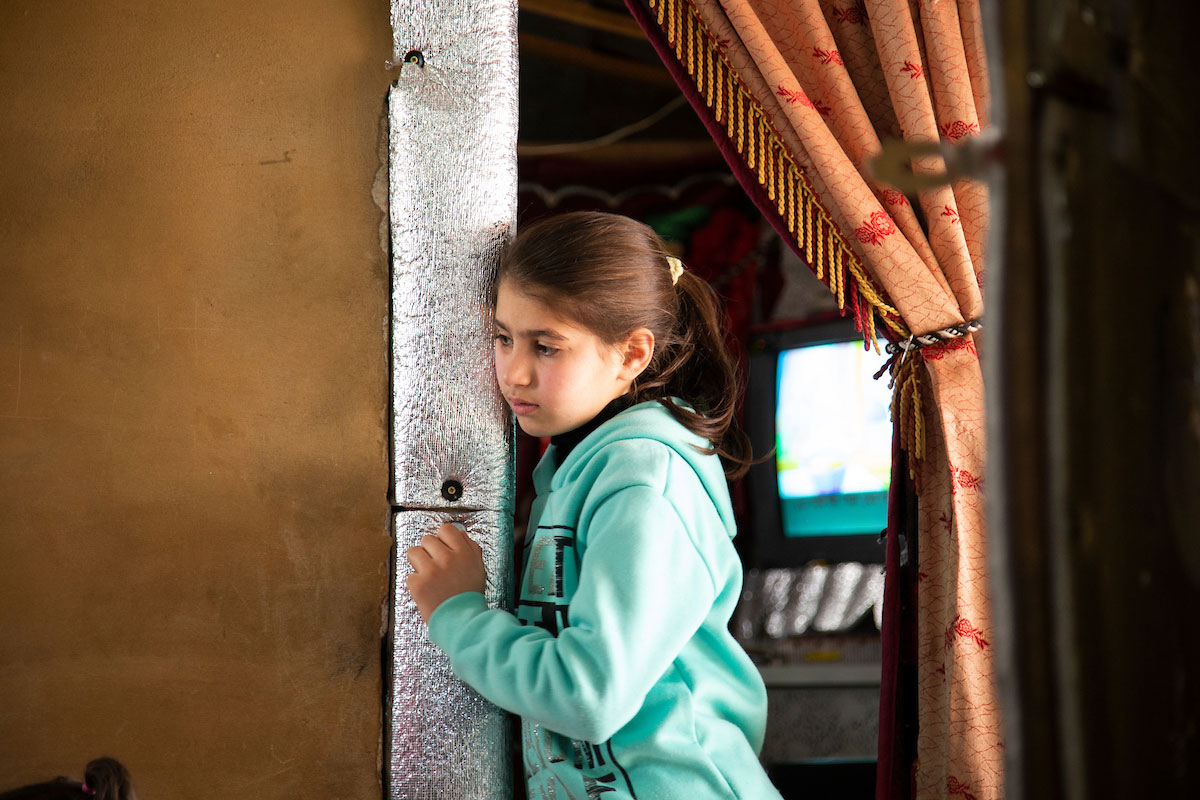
{"type": "Point", "coordinates": [648, 420]}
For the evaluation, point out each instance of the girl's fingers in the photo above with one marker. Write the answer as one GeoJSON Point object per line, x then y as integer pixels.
{"type": "Point", "coordinates": [457, 539]}
{"type": "Point", "coordinates": [435, 546]}
{"type": "Point", "coordinates": [418, 558]}
{"type": "Point", "coordinates": [452, 535]}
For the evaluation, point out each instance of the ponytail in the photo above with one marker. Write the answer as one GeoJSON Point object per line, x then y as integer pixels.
{"type": "Point", "coordinates": [700, 369]}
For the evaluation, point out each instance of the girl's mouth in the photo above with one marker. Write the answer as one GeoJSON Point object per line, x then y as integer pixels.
{"type": "Point", "coordinates": [520, 407]}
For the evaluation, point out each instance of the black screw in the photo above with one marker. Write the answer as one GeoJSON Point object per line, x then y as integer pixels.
{"type": "Point", "coordinates": [452, 490]}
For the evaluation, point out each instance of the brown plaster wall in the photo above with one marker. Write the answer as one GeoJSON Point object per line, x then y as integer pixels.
{"type": "Point", "coordinates": [193, 382]}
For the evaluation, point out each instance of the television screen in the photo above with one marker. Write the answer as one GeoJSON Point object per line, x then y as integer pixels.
{"type": "Point", "coordinates": [812, 396]}
{"type": "Point", "coordinates": [833, 436]}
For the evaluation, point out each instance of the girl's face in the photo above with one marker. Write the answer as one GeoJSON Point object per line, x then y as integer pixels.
{"type": "Point", "coordinates": [554, 374]}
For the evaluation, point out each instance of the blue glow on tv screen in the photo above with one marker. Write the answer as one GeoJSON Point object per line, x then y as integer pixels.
{"type": "Point", "coordinates": [833, 438]}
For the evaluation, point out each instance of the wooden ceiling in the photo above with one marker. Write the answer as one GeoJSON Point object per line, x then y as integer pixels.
{"type": "Point", "coordinates": [587, 71]}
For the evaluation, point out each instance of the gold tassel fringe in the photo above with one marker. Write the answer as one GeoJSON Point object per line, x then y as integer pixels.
{"type": "Point", "coordinates": [763, 150]}
{"type": "Point", "coordinates": [908, 412]}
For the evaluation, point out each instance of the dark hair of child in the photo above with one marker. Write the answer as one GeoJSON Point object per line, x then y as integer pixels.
{"type": "Point", "coordinates": [610, 274]}
{"type": "Point", "coordinates": [103, 779]}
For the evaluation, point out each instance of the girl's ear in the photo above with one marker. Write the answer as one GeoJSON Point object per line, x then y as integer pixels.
{"type": "Point", "coordinates": [637, 350]}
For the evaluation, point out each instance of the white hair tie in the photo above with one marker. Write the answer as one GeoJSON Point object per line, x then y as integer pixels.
{"type": "Point", "coordinates": [676, 268]}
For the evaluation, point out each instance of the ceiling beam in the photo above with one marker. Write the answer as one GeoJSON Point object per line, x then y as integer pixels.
{"type": "Point", "coordinates": [578, 13]}
{"type": "Point", "coordinates": [657, 151]}
{"type": "Point", "coordinates": [532, 44]}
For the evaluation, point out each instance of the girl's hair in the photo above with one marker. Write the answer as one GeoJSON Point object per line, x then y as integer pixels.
{"type": "Point", "coordinates": [103, 779]}
{"type": "Point", "coordinates": [610, 274]}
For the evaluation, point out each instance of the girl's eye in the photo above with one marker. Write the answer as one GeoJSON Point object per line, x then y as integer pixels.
{"type": "Point", "coordinates": [502, 339]}
{"type": "Point", "coordinates": [546, 350]}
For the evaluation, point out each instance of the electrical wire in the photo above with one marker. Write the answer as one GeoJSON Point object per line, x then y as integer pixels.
{"type": "Point", "coordinates": [609, 138]}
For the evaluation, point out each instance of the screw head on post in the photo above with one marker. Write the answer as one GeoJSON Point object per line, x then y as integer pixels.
{"type": "Point", "coordinates": [452, 490]}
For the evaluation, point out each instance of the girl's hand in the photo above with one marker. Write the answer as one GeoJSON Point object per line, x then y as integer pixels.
{"type": "Point", "coordinates": [445, 564]}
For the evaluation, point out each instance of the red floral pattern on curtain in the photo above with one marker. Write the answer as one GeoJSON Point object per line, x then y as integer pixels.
{"type": "Point", "coordinates": [800, 96]}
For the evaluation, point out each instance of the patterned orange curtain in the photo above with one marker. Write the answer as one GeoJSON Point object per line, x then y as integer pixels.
{"type": "Point", "coordinates": [800, 96]}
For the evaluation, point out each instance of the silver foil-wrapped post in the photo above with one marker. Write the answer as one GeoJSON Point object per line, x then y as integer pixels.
{"type": "Point", "coordinates": [453, 176]}
{"type": "Point", "coordinates": [446, 741]}
{"type": "Point", "coordinates": [452, 192]}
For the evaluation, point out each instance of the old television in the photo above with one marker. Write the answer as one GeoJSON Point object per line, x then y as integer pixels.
{"type": "Point", "coordinates": [813, 403]}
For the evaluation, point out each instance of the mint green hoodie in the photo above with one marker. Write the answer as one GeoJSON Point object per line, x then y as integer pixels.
{"type": "Point", "coordinates": [619, 659]}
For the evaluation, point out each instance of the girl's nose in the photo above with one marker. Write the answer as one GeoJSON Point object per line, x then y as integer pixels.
{"type": "Point", "coordinates": [516, 371]}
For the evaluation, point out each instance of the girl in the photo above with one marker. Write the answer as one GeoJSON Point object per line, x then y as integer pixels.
{"type": "Point", "coordinates": [618, 657]}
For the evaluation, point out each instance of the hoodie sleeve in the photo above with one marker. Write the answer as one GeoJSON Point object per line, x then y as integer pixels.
{"type": "Point", "coordinates": [644, 590]}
